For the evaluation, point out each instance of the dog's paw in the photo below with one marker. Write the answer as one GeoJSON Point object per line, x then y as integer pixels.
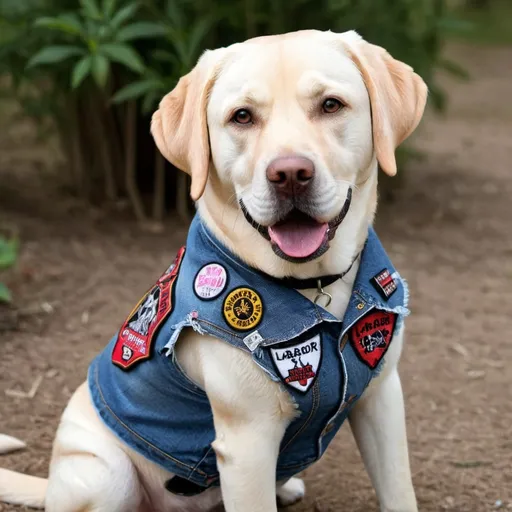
{"type": "Point", "coordinates": [10, 444]}
{"type": "Point", "coordinates": [291, 492]}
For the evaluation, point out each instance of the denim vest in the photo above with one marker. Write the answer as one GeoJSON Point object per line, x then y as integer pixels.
{"type": "Point", "coordinates": [324, 364]}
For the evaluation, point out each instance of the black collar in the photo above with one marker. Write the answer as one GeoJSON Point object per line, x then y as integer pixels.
{"type": "Point", "coordinates": [314, 282]}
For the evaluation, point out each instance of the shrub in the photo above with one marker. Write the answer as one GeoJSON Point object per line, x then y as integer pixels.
{"type": "Point", "coordinates": [98, 69]}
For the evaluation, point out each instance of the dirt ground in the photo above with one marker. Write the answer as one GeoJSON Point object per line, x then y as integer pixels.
{"type": "Point", "coordinates": [449, 233]}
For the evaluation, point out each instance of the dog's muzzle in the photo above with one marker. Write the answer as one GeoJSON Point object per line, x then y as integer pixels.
{"type": "Point", "coordinates": [299, 238]}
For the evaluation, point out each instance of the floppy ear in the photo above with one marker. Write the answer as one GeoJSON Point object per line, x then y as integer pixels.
{"type": "Point", "coordinates": [397, 97]}
{"type": "Point", "coordinates": [179, 125]}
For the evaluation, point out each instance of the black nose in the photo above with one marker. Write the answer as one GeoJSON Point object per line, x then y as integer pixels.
{"type": "Point", "coordinates": [291, 175]}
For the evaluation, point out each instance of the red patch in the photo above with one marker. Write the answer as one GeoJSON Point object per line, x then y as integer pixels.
{"type": "Point", "coordinates": [371, 336]}
{"type": "Point", "coordinates": [135, 339]}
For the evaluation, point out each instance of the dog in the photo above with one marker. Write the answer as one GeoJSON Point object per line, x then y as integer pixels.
{"type": "Point", "coordinates": [259, 329]}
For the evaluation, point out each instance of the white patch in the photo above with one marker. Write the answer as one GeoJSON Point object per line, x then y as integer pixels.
{"type": "Point", "coordinates": [299, 364]}
{"type": "Point", "coordinates": [210, 281]}
{"type": "Point", "coordinates": [253, 340]}
{"type": "Point", "coordinates": [127, 353]}
{"type": "Point", "coordinates": [146, 313]}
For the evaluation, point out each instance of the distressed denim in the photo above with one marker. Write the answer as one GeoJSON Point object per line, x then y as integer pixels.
{"type": "Point", "coordinates": [158, 411]}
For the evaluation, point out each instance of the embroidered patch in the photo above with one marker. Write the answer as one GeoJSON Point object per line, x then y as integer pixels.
{"type": "Point", "coordinates": [136, 336]}
{"type": "Point", "coordinates": [210, 281]}
{"type": "Point", "coordinates": [385, 283]}
{"type": "Point", "coordinates": [371, 336]}
{"type": "Point", "coordinates": [243, 309]}
{"type": "Point", "coordinates": [298, 364]}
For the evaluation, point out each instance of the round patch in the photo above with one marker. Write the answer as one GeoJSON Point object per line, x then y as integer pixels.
{"type": "Point", "coordinates": [210, 281]}
{"type": "Point", "coordinates": [243, 309]}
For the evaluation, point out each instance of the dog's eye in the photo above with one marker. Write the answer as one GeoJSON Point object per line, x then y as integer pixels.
{"type": "Point", "coordinates": [331, 105]}
{"type": "Point", "coordinates": [242, 116]}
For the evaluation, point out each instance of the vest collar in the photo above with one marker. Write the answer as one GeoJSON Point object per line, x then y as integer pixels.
{"type": "Point", "coordinates": [365, 295]}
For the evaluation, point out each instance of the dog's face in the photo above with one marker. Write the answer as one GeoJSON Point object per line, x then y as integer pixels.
{"type": "Point", "coordinates": [289, 128]}
{"type": "Point", "coordinates": [290, 131]}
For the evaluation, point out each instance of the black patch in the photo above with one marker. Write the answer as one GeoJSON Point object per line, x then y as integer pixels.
{"type": "Point", "coordinates": [384, 283]}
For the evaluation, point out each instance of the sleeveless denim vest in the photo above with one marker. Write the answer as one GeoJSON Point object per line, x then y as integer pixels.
{"type": "Point", "coordinates": [324, 363]}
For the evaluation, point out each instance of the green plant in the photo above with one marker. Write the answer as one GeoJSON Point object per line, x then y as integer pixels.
{"type": "Point", "coordinates": [96, 70]}
{"type": "Point", "coordinates": [8, 256]}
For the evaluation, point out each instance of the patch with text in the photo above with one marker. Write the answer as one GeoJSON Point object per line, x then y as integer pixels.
{"type": "Point", "coordinates": [135, 338]}
{"type": "Point", "coordinates": [371, 335]}
{"type": "Point", "coordinates": [299, 364]}
{"type": "Point", "coordinates": [210, 281]}
{"type": "Point", "coordinates": [243, 308]}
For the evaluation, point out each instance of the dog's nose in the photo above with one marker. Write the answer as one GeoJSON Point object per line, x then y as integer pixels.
{"type": "Point", "coordinates": [291, 175]}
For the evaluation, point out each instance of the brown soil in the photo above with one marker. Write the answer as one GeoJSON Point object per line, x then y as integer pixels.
{"type": "Point", "coordinates": [448, 231]}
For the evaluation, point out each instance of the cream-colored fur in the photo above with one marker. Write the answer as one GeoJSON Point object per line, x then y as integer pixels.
{"type": "Point", "coordinates": [283, 80]}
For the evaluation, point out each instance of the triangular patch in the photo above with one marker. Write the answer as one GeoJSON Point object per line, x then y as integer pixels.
{"type": "Point", "coordinates": [299, 364]}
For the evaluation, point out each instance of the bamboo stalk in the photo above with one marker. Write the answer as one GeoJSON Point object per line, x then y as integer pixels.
{"type": "Point", "coordinates": [159, 188]}
{"type": "Point", "coordinates": [130, 161]}
{"type": "Point", "coordinates": [101, 134]}
{"type": "Point", "coordinates": [83, 182]}
{"type": "Point", "coordinates": [103, 137]}
{"type": "Point", "coordinates": [182, 196]}
{"type": "Point", "coordinates": [114, 143]}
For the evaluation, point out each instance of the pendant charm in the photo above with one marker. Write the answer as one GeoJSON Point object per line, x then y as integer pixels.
{"type": "Point", "coordinates": [321, 293]}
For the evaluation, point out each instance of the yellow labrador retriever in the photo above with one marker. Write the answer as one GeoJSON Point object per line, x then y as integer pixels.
{"type": "Point", "coordinates": [283, 315]}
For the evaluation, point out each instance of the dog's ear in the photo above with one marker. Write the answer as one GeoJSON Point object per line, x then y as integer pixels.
{"type": "Point", "coordinates": [397, 96]}
{"type": "Point", "coordinates": [179, 126]}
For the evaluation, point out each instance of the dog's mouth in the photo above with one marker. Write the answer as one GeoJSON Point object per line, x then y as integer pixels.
{"type": "Point", "coordinates": [299, 237]}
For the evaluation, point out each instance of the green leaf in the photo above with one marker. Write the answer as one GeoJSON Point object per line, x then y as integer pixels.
{"type": "Point", "coordinates": [136, 89]}
{"type": "Point", "coordinates": [80, 71]}
{"type": "Point", "coordinates": [100, 69]}
{"type": "Point", "coordinates": [8, 252]}
{"type": "Point", "coordinates": [124, 14]}
{"type": "Point", "coordinates": [54, 54]}
{"type": "Point", "coordinates": [175, 14]}
{"type": "Point", "coordinates": [150, 101]}
{"type": "Point", "coordinates": [91, 9]}
{"type": "Point", "coordinates": [164, 56]}
{"type": "Point", "coordinates": [123, 54]}
{"type": "Point", "coordinates": [140, 30]}
{"type": "Point", "coordinates": [5, 293]}
{"type": "Point", "coordinates": [108, 7]}
{"type": "Point", "coordinates": [199, 32]}
{"type": "Point", "coordinates": [67, 23]}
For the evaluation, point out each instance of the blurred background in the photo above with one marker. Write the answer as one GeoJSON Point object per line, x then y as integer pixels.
{"type": "Point", "coordinates": [90, 215]}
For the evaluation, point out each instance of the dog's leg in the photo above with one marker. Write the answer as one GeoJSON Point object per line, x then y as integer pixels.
{"type": "Point", "coordinates": [250, 415]}
{"type": "Point", "coordinates": [81, 481]}
{"type": "Point", "coordinates": [378, 424]}
{"type": "Point", "coordinates": [89, 471]}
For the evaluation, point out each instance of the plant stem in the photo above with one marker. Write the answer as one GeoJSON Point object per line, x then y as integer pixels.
{"type": "Point", "coordinates": [130, 163]}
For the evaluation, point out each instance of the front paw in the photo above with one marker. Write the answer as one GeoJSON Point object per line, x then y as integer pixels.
{"type": "Point", "coordinates": [291, 492]}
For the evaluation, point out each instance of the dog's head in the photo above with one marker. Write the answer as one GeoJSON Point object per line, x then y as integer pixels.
{"type": "Point", "coordinates": [286, 131]}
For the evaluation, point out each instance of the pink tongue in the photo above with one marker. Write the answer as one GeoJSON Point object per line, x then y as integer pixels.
{"type": "Point", "coordinates": [298, 239]}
